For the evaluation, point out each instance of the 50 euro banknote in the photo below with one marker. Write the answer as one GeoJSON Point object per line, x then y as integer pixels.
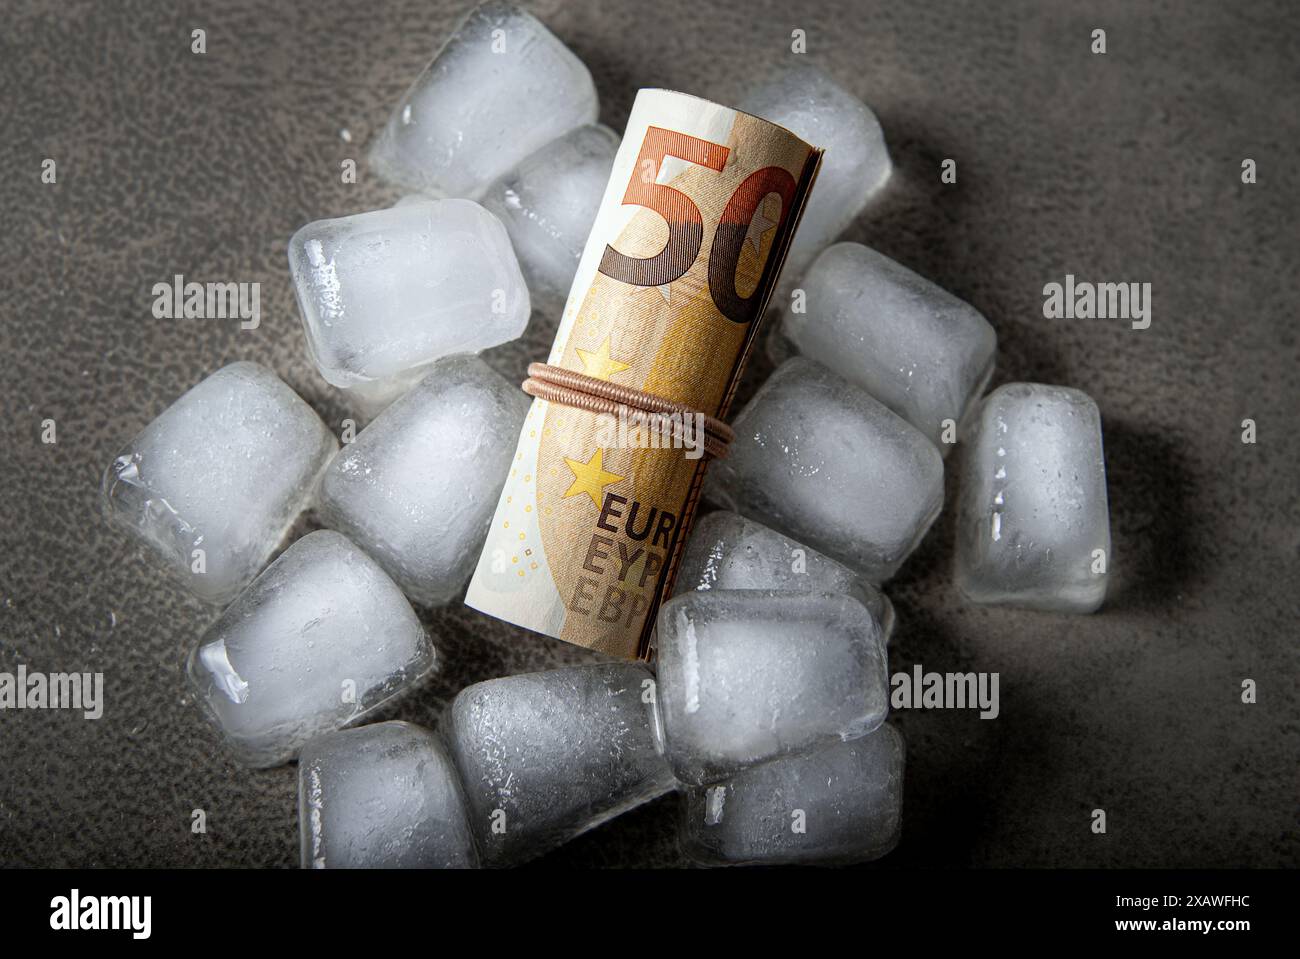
{"type": "Point", "coordinates": [688, 243]}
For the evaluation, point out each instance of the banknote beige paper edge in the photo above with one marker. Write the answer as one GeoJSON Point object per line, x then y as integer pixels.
{"type": "Point", "coordinates": [536, 604]}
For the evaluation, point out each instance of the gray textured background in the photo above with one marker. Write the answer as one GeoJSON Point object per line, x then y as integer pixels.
{"type": "Point", "coordinates": [1117, 167]}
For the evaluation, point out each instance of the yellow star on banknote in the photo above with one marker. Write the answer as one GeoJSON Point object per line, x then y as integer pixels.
{"type": "Point", "coordinates": [599, 364]}
{"type": "Point", "coordinates": [590, 477]}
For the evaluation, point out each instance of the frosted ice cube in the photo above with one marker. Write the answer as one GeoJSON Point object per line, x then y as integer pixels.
{"type": "Point", "coordinates": [316, 642]}
{"type": "Point", "coordinates": [386, 291]}
{"type": "Point", "coordinates": [915, 347]}
{"type": "Point", "coordinates": [548, 204]}
{"type": "Point", "coordinates": [746, 676]}
{"type": "Point", "coordinates": [1033, 527]}
{"type": "Point", "coordinates": [501, 87]}
{"type": "Point", "coordinates": [213, 484]}
{"type": "Point", "coordinates": [728, 551]}
{"type": "Point", "coordinates": [546, 756]}
{"type": "Point", "coordinates": [821, 461]}
{"type": "Point", "coordinates": [856, 165]}
{"type": "Point", "coordinates": [385, 796]}
{"type": "Point", "coordinates": [417, 487]}
{"type": "Point", "coordinates": [840, 804]}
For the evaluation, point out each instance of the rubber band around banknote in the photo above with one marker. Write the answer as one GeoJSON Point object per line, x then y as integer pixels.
{"type": "Point", "coordinates": [570, 388]}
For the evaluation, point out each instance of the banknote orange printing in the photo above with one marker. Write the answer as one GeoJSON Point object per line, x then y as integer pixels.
{"type": "Point", "coordinates": [684, 253]}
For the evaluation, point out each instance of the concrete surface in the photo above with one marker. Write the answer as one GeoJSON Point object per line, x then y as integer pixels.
{"type": "Point", "coordinates": [1124, 166]}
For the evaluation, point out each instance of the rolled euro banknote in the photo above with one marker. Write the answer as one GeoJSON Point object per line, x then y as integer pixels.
{"type": "Point", "coordinates": [693, 229]}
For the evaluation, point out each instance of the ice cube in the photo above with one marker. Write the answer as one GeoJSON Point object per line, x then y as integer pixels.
{"type": "Point", "coordinates": [840, 804]}
{"type": "Point", "coordinates": [918, 349]}
{"type": "Point", "coordinates": [1033, 528]}
{"type": "Point", "coordinates": [213, 484]}
{"type": "Point", "coordinates": [417, 487]}
{"type": "Point", "coordinates": [856, 165]}
{"type": "Point", "coordinates": [501, 87]}
{"type": "Point", "coordinates": [316, 642]}
{"type": "Point", "coordinates": [546, 756]}
{"type": "Point", "coordinates": [548, 204]}
{"type": "Point", "coordinates": [385, 796]}
{"type": "Point", "coordinates": [746, 676]}
{"type": "Point", "coordinates": [386, 291]}
{"type": "Point", "coordinates": [819, 460]}
{"type": "Point", "coordinates": [728, 551]}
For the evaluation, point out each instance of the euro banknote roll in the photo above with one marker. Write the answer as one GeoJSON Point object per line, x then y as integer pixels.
{"type": "Point", "coordinates": [693, 229]}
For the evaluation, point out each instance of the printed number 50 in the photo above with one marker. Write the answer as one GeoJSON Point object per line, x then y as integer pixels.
{"type": "Point", "coordinates": [686, 225]}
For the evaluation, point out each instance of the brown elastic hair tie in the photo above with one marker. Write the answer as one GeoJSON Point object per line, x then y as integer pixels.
{"type": "Point", "coordinates": [568, 388]}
